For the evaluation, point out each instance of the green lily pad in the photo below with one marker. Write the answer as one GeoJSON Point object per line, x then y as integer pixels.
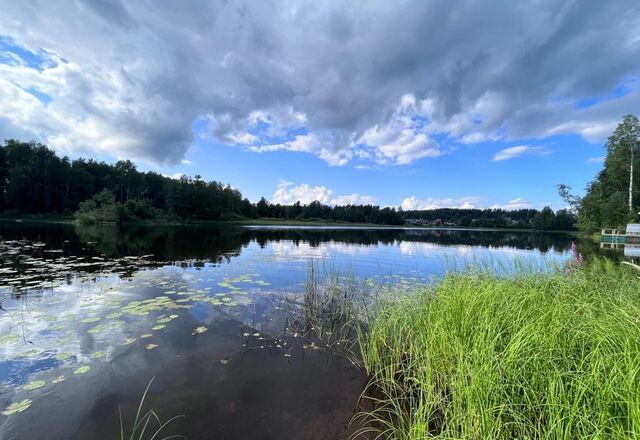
{"type": "Point", "coordinates": [199, 330]}
{"type": "Point", "coordinates": [34, 385]}
{"type": "Point", "coordinates": [150, 346]}
{"type": "Point", "coordinates": [58, 379]}
{"type": "Point", "coordinates": [146, 335]}
{"type": "Point", "coordinates": [17, 407]}
{"type": "Point", "coordinates": [90, 320]}
{"type": "Point", "coordinates": [82, 370]}
{"type": "Point", "coordinates": [9, 339]}
{"type": "Point", "coordinates": [158, 327]}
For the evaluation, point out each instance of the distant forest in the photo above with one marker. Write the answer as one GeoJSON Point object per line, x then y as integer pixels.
{"type": "Point", "coordinates": [34, 180]}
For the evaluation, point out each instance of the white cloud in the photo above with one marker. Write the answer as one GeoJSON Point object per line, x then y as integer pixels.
{"type": "Point", "coordinates": [413, 203]}
{"type": "Point", "coordinates": [368, 94]}
{"type": "Point", "coordinates": [288, 193]}
{"type": "Point", "coordinates": [517, 151]}
{"type": "Point", "coordinates": [473, 202]}
{"type": "Point", "coordinates": [599, 159]}
{"type": "Point", "coordinates": [514, 204]}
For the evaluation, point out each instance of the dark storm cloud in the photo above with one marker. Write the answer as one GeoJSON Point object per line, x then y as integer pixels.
{"type": "Point", "coordinates": [132, 77]}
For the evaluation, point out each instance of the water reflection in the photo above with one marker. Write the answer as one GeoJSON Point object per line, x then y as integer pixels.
{"type": "Point", "coordinates": [90, 314]}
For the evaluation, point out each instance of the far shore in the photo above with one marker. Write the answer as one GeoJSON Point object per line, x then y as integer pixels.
{"type": "Point", "coordinates": [267, 223]}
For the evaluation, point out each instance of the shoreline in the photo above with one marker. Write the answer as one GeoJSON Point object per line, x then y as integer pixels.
{"type": "Point", "coordinates": [275, 224]}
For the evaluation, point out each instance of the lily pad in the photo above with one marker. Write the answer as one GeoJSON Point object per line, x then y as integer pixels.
{"type": "Point", "coordinates": [146, 335]}
{"type": "Point", "coordinates": [34, 385]}
{"type": "Point", "coordinates": [17, 407]}
{"type": "Point", "coordinates": [90, 320]}
{"type": "Point", "coordinates": [82, 370]}
{"type": "Point", "coordinates": [158, 327]}
{"type": "Point", "coordinates": [9, 339]}
{"type": "Point", "coordinates": [58, 379]}
{"type": "Point", "coordinates": [199, 330]}
{"type": "Point", "coordinates": [150, 346]}
{"type": "Point", "coordinates": [129, 341]}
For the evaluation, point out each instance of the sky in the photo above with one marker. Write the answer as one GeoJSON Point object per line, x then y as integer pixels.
{"type": "Point", "coordinates": [418, 104]}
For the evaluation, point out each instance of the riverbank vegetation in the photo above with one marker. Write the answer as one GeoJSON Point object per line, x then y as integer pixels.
{"type": "Point", "coordinates": [611, 198]}
{"type": "Point", "coordinates": [526, 356]}
{"type": "Point", "coordinates": [35, 181]}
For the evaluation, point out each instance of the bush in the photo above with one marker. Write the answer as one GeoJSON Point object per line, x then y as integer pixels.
{"type": "Point", "coordinates": [101, 208]}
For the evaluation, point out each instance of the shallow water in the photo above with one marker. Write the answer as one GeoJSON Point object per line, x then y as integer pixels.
{"type": "Point", "coordinates": [91, 314]}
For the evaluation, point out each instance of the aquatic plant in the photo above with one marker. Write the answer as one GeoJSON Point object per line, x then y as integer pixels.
{"type": "Point", "coordinates": [527, 356]}
{"type": "Point", "coordinates": [147, 425]}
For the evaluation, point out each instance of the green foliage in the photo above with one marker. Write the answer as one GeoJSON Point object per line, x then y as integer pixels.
{"type": "Point", "coordinates": [101, 208]}
{"type": "Point", "coordinates": [147, 425]}
{"type": "Point", "coordinates": [497, 218]}
{"type": "Point", "coordinates": [605, 204]}
{"type": "Point", "coordinates": [33, 180]}
{"type": "Point", "coordinates": [530, 356]}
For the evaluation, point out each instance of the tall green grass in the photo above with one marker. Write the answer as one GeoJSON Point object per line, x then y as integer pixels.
{"type": "Point", "coordinates": [527, 356]}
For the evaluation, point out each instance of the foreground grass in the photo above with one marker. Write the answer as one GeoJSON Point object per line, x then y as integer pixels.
{"type": "Point", "coordinates": [554, 356]}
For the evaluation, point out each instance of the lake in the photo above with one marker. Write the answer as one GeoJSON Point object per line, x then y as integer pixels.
{"type": "Point", "coordinates": [91, 314]}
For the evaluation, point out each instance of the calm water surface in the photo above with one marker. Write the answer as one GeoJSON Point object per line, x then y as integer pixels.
{"type": "Point", "coordinates": [90, 314]}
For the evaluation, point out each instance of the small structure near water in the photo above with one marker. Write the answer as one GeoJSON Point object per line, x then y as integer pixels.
{"type": "Point", "coordinates": [629, 240]}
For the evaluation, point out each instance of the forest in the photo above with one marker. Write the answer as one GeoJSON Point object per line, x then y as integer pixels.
{"type": "Point", "coordinates": [35, 180]}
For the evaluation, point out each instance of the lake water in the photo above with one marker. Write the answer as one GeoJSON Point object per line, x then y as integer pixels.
{"type": "Point", "coordinates": [91, 314]}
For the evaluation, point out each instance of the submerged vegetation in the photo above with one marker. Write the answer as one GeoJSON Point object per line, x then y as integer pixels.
{"type": "Point", "coordinates": [527, 356]}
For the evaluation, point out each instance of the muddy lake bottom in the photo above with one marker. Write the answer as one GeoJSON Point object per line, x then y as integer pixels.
{"type": "Point", "coordinates": [92, 314]}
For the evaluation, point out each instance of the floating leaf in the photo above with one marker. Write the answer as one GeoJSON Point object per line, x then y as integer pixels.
{"type": "Point", "coordinates": [199, 330]}
{"type": "Point", "coordinates": [224, 361]}
{"type": "Point", "coordinates": [245, 334]}
{"type": "Point", "coordinates": [146, 335]}
{"type": "Point", "coordinates": [129, 341]}
{"type": "Point", "coordinates": [90, 320]}
{"type": "Point", "coordinates": [17, 407]}
{"type": "Point", "coordinates": [97, 354]}
{"type": "Point", "coordinates": [34, 385]}
{"type": "Point", "coordinates": [82, 370]}
{"type": "Point", "coordinates": [9, 339]}
{"type": "Point", "coordinates": [150, 346]}
{"type": "Point", "coordinates": [58, 379]}
{"type": "Point", "coordinates": [158, 327]}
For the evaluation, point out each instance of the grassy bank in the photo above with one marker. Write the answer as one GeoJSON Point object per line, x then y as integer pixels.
{"type": "Point", "coordinates": [554, 356]}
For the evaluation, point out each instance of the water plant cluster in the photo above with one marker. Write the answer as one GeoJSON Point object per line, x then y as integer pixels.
{"type": "Point", "coordinates": [526, 356]}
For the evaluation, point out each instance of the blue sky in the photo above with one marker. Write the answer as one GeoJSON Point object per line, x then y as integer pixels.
{"type": "Point", "coordinates": [412, 104]}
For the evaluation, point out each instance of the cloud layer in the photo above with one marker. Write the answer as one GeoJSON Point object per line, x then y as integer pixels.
{"type": "Point", "coordinates": [375, 82]}
{"type": "Point", "coordinates": [288, 193]}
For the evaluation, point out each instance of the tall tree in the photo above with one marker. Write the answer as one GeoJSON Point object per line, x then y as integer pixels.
{"type": "Point", "coordinates": [609, 201]}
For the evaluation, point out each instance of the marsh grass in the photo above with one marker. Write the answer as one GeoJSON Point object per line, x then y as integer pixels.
{"type": "Point", "coordinates": [146, 424]}
{"type": "Point", "coordinates": [525, 356]}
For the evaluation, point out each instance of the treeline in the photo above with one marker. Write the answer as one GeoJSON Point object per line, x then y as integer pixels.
{"type": "Point", "coordinates": [34, 180]}
{"type": "Point", "coordinates": [546, 219]}
{"type": "Point", "coordinates": [612, 198]}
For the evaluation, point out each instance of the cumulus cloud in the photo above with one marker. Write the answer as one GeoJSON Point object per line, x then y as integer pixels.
{"type": "Point", "coordinates": [288, 193]}
{"type": "Point", "coordinates": [517, 151]}
{"type": "Point", "coordinates": [413, 203]}
{"type": "Point", "coordinates": [475, 202]}
{"type": "Point", "coordinates": [374, 82]}
{"type": "Point", "coordinates": [514, 204]}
